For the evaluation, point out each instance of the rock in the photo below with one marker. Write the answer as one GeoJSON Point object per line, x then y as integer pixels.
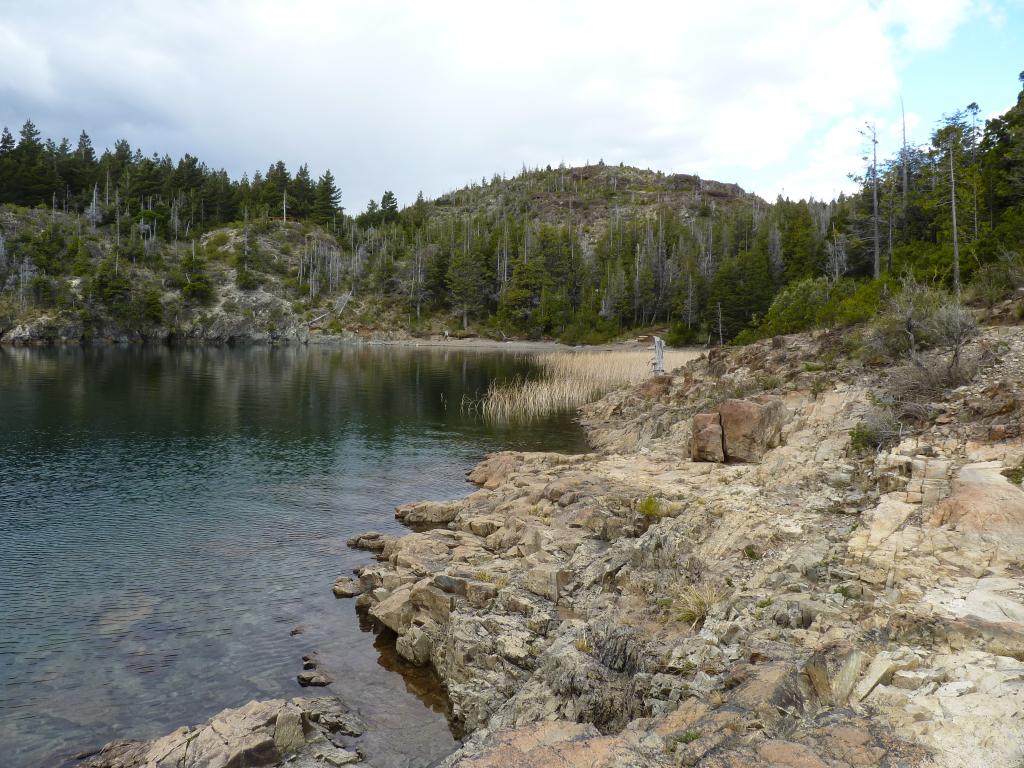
{"type": "Point", "coordinates": [957, 688]}
{"type": "Point", "coordinates": [288, 736]}
{"type": "Point", "coordinates": [751, 427]}
{"type": "Point", "coordinates": [346, 586]}
{"type": "Point", "coordinates": [427, 513]}
{"type": "Point", "coordinates": [912, 679]}
{"type": "Point", "coordinates": [415, 645]}
{"type": "Point", "coordinates": [256, 734]}
{"type": "Point", "coordinates": [430, 601]}
{"type": "Point", "coordinates": [331, 714]}
{"type": "Point", "coordinates": [395, 611]}
{"type": "Point", "coordinates": [480, 593]}
{"type": "Point", "coordinates": [708, 443]}
{"type": "Point", "coordinates": [547, 581]}
{"type": "Point", "coordinates": [786, 753]}
{"type": "Point", "coordinates": [881, 670]}
{"type": "Point", "coordinates": [314, 678]}
{"type": "Point", "coordinates": [328, 754]}
{"type": "Point", "coordinates": [372, 541]}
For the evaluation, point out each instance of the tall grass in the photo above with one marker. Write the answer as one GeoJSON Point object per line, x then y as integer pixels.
{"type": "Point", "coordinates": [569, 380]}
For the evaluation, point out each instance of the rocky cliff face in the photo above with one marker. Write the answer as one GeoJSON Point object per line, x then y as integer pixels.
{"type": "Point", "coordinates": [780, 600]}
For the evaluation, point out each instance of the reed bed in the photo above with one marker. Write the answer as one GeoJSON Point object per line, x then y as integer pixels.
{"type": "Point", "coordinates": [569, 380]}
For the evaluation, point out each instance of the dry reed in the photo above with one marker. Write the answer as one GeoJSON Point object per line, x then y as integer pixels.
{"type": "Point", "coordinates": [569, 380]}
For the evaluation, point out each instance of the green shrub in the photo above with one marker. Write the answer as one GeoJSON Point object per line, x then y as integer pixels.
{"type": "Point", "coordinates": [151, 307]}
{"type": "Point", "coordinates": [877, 429]}
{"type": "Point", "coordinates": [991, 283]}
{"type": "Point", "coordinates": [650, 507]}
{"type": "Point", "coordinates": [198, 289]}
{"type": "Point", "coordinates": [246, 279]}
{"type": "Point", "coordinates": [217, 240]}
{"type": "Point", "coordinates": [590, 331]}
{"type": "Point", "coordinates": [816, 303]}
{"type": "Point", "coordinates": [680, 335]}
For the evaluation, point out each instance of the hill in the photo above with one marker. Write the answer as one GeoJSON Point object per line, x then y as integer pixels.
{"type": "Point", "coordinates": [526, 256]}
{"type": "Point", "coordinates": [135, 247]}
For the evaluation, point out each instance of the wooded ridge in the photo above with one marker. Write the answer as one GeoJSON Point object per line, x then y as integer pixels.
{"type": "Point", "coordinates": [124, 244]}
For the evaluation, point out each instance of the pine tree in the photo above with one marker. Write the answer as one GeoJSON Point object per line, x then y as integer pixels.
{"type": "Point", "coordinates": [466, 283]}
{"type": "Point", "coordinates": [327, 199]}
{"type": "Point", "coordinates": [389, 206]}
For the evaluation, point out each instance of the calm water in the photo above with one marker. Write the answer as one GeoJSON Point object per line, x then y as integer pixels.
{"type": "Point", "coordinates": [167, 517]}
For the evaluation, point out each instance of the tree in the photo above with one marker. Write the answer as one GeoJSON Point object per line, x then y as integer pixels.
{"type": "Point", "coordinates": [389, 207]}
{"type": "Point", "coordinates": [466, 284]}
{"type": "Point", "coordinates": [326, 199]}
{"type": "Point", "coordinates": [6, 142]}
{"type": "Point", "coordinates": [301, 192]}
{"type": "Point", "coordinates": [872, 135]}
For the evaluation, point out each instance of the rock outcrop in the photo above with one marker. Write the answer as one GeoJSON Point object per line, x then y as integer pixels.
{"type": "Point", "coordinates": [726, 583]}
{"type": "Point", "coordinates": [299, 733]}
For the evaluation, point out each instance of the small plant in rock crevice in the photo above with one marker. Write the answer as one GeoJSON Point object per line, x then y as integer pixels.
{"type": "Point", "coordinates": [694, 602]}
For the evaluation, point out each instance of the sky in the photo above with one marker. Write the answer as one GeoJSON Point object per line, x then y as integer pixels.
{"type": "Point", "coordinates": [413, 96]}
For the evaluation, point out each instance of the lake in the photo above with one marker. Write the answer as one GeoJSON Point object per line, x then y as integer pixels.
{"type": "Point", "coordinates": [170, 517]}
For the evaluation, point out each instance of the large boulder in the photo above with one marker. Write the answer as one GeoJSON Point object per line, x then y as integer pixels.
{"type": "Point", "coordinates": [427, 513]}
{"type": "Point", "coordinates": [708, 443]}
{"type": "Point", "coordinates": [751, 427]}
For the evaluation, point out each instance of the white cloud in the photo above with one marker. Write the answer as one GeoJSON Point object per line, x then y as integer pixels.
{"type": "Point", "coordinates": [23, 66]}
{"type": "Point", "coordinates": [925, 24]}
{"type": "Point", "coordinates": [413, 95]}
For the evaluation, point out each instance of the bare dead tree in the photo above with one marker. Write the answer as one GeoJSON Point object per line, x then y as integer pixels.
{"type": "Point", "coordinates": [871, 133]}
{"type": "Point", "coordinates": [956, 239]}
{"type": "Point", "coordinates": [93, 214]}
{"type": "Point", "coordinates": [903, 156]}
{"type": "Point", "coordinates": [836, 261]}
{"type": "Point", "coordinates": [776, 259]}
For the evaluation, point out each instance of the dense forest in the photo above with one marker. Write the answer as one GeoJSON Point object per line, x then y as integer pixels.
{"type": "Point", "coordinates": [582, 254]}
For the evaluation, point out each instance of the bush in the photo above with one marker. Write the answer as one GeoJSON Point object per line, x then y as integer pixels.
{"type": "Point", "coordinates": [902, 327]}
{"type": "Point", "coordinates": [246, 280]}
{"type": "Point", "coordinates": [198, 290]}
{"type": "Point", "coordinates": [589, 331]}
{"type": "Point", "coordinates": [816, 303]}
{"type": "Point", "coordinates": [996, 281]}
{"type": "Point", "coordinates": [877, 429]}
{"type": "Point", "coordinates": [152, 308]}
{"type": "Point", "coordinates": [217, 240]}
{"type": "Point", "coordinates": [650, 507]}
{"type": "Point", "coordinates": [680, 335]}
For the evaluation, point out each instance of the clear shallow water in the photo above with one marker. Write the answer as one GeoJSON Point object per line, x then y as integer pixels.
{"type": "Point", "coordinates": [167, 517]}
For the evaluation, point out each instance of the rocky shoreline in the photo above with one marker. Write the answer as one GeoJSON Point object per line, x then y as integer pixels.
{"type": "Point", "coordinates": [724, 582]}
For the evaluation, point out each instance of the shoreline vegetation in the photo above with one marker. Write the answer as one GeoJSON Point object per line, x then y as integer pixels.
{"type": "Point", "coordinates": [570, 380]}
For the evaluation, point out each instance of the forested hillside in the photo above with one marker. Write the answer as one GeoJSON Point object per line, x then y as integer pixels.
{"type": "Point", "coordinates": [121, 243]}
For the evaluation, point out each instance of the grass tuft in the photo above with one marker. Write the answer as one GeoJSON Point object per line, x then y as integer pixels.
{"type": "Point", "coordinates": [570, 380]}
{"type": "Point", "coordinates": [693, 603]}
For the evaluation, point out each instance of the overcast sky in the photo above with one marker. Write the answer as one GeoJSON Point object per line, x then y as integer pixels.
{"type": "Point", "coordinates": [431, 95]}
